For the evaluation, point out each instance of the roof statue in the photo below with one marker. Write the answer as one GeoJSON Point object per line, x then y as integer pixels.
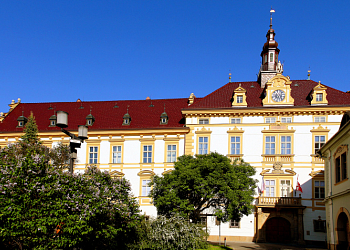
{"type": "Point", "coordinates": [279, 67]}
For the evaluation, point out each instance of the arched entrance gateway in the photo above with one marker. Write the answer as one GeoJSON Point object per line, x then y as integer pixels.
{"type": "Point", "coordinates": [343, 231]}
{"type": "Point", "coordinates": [278, 230]}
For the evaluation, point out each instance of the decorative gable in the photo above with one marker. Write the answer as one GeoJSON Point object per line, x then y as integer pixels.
{"type": "Point", "coordinates": [278, 92]}
{"type": "Point", "coordinates": [319, 95]}
{"type": "Point", "coordinates": [239, 97]}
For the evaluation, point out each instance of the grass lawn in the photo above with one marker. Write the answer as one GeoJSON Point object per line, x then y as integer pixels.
{"type": "Point", "coordinates": [212, 247]}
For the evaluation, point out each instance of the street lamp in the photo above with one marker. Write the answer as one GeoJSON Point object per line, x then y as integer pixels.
{"type": "Point", "coordinates": [75, 141]}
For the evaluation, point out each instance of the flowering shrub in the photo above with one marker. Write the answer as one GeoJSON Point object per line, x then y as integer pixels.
{"type": "Point", "coordinates": [43, 207]}
{"type": "Point", "coordinates": [172, 233]}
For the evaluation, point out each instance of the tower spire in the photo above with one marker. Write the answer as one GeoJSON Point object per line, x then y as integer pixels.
{"type": "Point", "coordinates": [271, 11]}
{"type": "Point", "coordinates": [269, 56]}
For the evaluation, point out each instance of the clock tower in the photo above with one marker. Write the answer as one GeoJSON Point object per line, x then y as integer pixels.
{"type": "Point", "coordinates": [269, 56]}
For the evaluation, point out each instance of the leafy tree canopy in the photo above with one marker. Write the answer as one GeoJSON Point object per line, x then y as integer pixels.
{"type": "Point", "coordinates": [205, 182]}
{"type": "Point", "coordinates": [42, 207]}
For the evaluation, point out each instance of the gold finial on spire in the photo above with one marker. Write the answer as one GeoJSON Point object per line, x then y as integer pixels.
{"type": "Point", "coordinates": [271, 11]}
{"type": "Point", "coordinates": [308, 73]}
{"type": "Point", "coordinates": [229, 76]}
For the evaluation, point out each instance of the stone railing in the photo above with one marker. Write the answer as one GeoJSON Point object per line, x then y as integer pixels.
{"type": "Point", "coordinates": [279, 201]}
{"type": "Point", "coordinates": [278, 157]}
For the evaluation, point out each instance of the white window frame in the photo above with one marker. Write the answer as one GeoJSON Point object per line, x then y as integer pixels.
{"type": "Point", "coordinates": [239, 98]}
{"type": "Point", "coordinates": [286, 145]}
{"type": "Point", "coordinates": [320, 119]}
{"type": "Point", "coordinates": [319, 97]}
{"type": "Point", "coordinates": [235, 224]}
{"type": "Point", "coordinates": [318, 186]}
{"type": "Point", "coordinates": [286, 119]}
{"type": "Point", "coordinates": [147, 153]}
{"type": "Point", "coordinates": [117, 154]}
{"type": "Point", "coordinates": [319, 143]}
{"type": "Point", "coordinates": [235, 145]}
{"type": "Point", "coordinates": [145, 188]}
{"type": "Point", "coordinates": [171, 152]}
{"type": "Point", "coordinates": [270, 120]}
{"type": "Point", "coordinates": [270, 188]}
{"type": "Point", "coordinates": [236, 120]}
{"type": "Point", "coordinates": [203, 145]}
{"type": "Point", "coordinates": [203, 121]}
{"type": "Point", "coordinates": [286, 188]}
{"type": "Point", "coordinates": [269, 142]}
{"type": "Point", "coordinates": [93, 154]}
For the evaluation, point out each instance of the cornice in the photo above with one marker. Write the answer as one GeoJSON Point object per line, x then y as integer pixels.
{"type": "Point", "coordinates": [266, 111]}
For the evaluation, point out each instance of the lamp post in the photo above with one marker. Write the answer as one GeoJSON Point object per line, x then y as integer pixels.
{"type": "Point", "coordinates": [75, 141]}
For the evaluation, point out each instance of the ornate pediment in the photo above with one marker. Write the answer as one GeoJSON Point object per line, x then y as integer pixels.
{"type": "Point", "coordinates": [277, 170]}
{"type": "Point", "coordinates": [278, 91]}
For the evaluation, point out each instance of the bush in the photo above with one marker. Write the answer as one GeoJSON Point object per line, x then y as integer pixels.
{"type": "Point", "coordinates": [171, 234]}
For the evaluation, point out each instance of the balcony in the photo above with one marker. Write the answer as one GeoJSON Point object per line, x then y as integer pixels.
{"type": "Point", "coordinates": [317, 159]}
{"type": "Point", "coordinates": [278, 157]}
{"type": "Point", "coordinates": [234, 157]}
{"type": "Point", "coordinates": [279, 201]}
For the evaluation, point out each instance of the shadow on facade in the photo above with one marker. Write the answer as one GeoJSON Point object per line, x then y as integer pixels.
{"type": "Point", "coordinates": [280, 219]}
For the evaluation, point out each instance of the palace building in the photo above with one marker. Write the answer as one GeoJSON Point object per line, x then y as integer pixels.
{"type": "Point", "coordinates": [274, 123]}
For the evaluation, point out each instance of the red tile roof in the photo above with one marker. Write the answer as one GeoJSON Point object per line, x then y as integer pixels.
{"type": "Point", "coordinates": [301, 89]}
{"type": "Point", "coordinates": [107, 116]}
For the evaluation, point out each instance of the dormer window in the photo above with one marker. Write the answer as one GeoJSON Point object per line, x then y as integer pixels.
{"type": "Point", "coordinates": [90, 119]}
{"type": "Point", "coordinates": [53, 120]}
{"type": "Point", "coordinates": [21, 121]}
{"type": "Point", "coordinates": [126, 119]}
{"type": "Point", "coordinates": [319, 97]}
{"type": "Point", "coordinates": [164, 118]}
{"type": "Point", "coordinates": [239, 97]}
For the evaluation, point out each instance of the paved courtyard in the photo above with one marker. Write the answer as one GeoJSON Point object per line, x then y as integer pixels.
{"type": "Point", "coordinates": [270, 246]}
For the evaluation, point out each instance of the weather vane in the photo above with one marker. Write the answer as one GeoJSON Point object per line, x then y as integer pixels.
{"type": "Point", "coordinates": [271, 11]}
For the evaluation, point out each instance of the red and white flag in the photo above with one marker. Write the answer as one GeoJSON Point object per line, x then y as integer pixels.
{"type": "Point", "coordinates": [262, 189]}
{"type": "Point", "coordinates": [298, 187]}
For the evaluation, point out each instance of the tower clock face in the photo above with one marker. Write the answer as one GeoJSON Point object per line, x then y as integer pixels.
{"type": "Point", "coordinates": [278, 95]}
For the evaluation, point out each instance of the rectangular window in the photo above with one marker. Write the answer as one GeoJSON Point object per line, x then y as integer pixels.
{"type": "Point", "coordinates": [117, 154]}
{"type": "Point", "coordinates": [234, 224]}
{"type": "Point", "coordinates": [319, 189]}
{"type": "Point", "coordinates": [171, 153]}
{"type": "Point", "coordinates": [320, 119]}
{"type": "Point", "coordinates": [270, 188]}
{"type": "Point", "coordinates": [286, 119]}
{"type": "Point", "coordinates": [235, 145]}
{"type": "Point", "coordinates": [320, 226]}
{"type": "Point", "coordinates": [270, 120]}
{"type": "Point", "coordinates": [93, 155]}
{"type": "Point", "coordinates": [343, 166]}
{"type": "Point", "coordinates": [203, 121]}
{"type": "Point", "coordinates": [236, 120]}
{"type": "Point", "coordinates": [320, 140]}
{"type": "Point", "coordinates": [239, 99]}
{"type": "Point", "coordinates": [285, 188]}
{"type": "Point", "coordinates": [319, 97]}
{"type": "Point", "coordinates": [271, 57]}
{"type": "Point", "coordinates": [147, 153]}
{"type": "Point", "coordinates": [146, 189]}
{"type": "Point", "coordinates": [340, 168]}
{"type": "Point", "coordinates": [203, 145]}
{"type": "Point", "coordinates": [286, 144]}
{"type": "Point", "coordinates": [203, 221]}
{"type": "Point", "coordinates": [270, 145]}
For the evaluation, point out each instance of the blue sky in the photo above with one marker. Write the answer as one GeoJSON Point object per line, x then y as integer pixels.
{"type": "Point", "coordinates": [53, 51]}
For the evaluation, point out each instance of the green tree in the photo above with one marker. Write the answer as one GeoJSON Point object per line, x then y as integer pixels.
{"type": "Point", "coordinates": [30, 131]}
{"type": "Point", "coordinates": [205, 182]}
{"type": "Point", "coordinates": [43, 207]}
